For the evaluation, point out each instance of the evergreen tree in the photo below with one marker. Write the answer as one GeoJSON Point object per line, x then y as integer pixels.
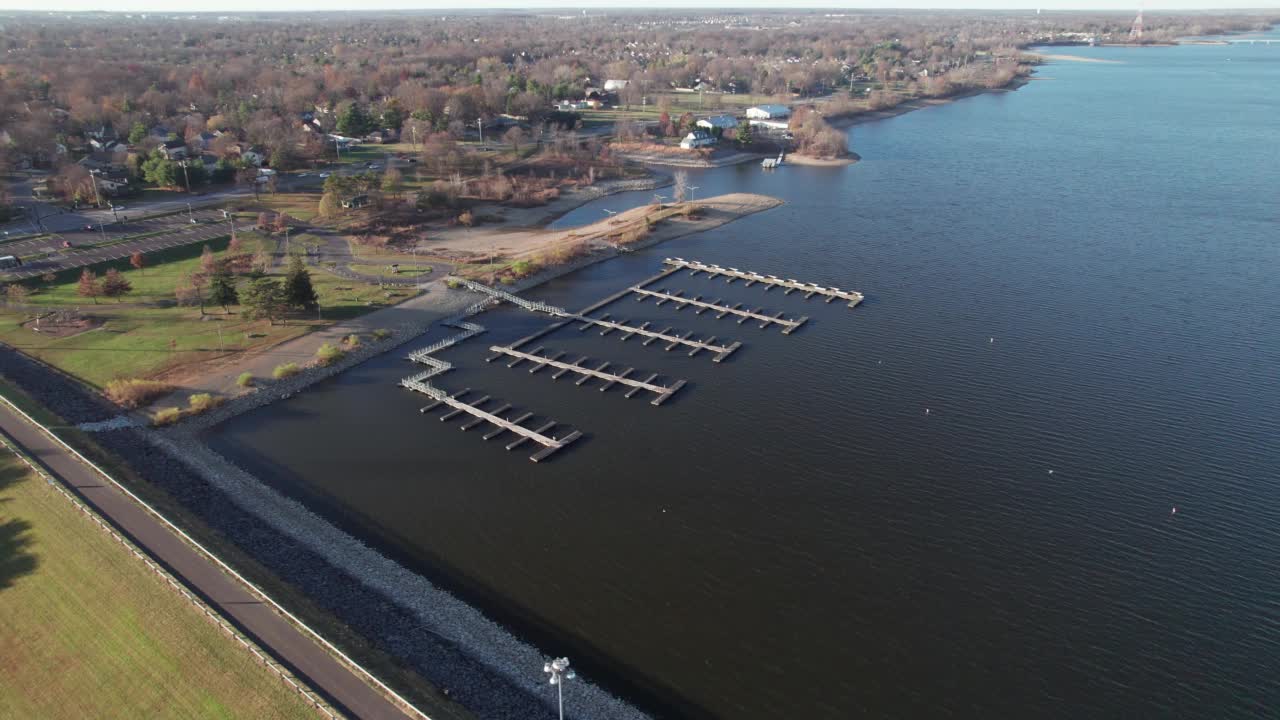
{"type": "Point", "coordinates": [353, 121]}
{"type": "Point", "coordinates": [298, 291]}
{"type": "Point", "coordinates": [263, 299]}
{"type": "Point", "coordinates": [138, 133]}
{"type": "Point", "coordinates": [222, 288]}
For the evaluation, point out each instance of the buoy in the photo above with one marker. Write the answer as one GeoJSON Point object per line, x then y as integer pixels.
{"type": "Point", "coordinates": [926, 411]}
{"type": "Point", "coordinates": [1050, 472]}
{"type": "Point", "coordinates": [991, 340]}
{"type": "Point", "coordinates": [1174, 511]}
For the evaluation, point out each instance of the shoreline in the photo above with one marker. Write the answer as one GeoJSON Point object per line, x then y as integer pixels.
{"type": "Point", "coordinates": [444, 609]}
{"type": "Point", "coordinates": [844, 121]}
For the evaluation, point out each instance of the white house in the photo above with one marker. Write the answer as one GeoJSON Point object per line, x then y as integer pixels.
{"type": "Point", "coordinates": [615, 85]}
{"type": "Point", "coordinates": [697, 139]}
{"type": "Point", "coordinates": [723, 122]}
{"type": "Point", "coordinates": [768, 112]}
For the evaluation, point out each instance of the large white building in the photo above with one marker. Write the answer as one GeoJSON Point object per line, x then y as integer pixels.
{"type": "Point", "coordinates": [768, 112]}
{"type": "Point", "coordinates": [723, 122]}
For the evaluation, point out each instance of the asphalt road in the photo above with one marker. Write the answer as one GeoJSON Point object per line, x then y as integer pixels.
{"type": "Point", "coordinates": [308, 661]}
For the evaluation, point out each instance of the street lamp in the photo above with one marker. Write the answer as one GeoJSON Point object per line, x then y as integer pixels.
{"type": "Point", "coordinates": [559, 671]}
{"type": "Point", "coordinates": [691, 188]}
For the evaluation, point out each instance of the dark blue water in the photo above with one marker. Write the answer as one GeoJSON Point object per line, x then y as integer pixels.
{"type": "Point", "coordinates": [1077, 280]}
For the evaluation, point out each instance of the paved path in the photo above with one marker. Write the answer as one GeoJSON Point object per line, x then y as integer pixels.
{"type": "Point", "coordinates": [275, 634]}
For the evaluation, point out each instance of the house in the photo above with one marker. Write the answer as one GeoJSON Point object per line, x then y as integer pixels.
{"type": "Point", "coordinates": [174, 149]}
{"type": "Point", "coordinates": [160, 131]}
{"type": "Point", "coordinates": [106, 146]}
{"type": "Point", "coordinates": [615, 85]}
{"type": "Point", "coordinates": [357, 201]}
{"type": "Point", "coordinates": [113, 183]}
{"type": "Point", "coordinates": [253, 156]}
{"type": "Point", "coordinates": [768, 112]}
{"type": "Point", "coordinates": [697, 139]}
{"type": "Point", "coordinates": [206, 138]}
{"type": "Point", "coordinates": [722, 123]}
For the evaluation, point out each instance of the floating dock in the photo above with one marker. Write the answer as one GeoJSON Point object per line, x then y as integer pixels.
{"type": "Point", "coordinates": [788, 326]}
{"type": "Point", "coordinates": [769, 281]}
{"type": "Point", "coordinates": [550, 443]}
{"type": "Point", "coordinates": [662, 393]}
{"type": "Point", "coordinates": [721, 351]}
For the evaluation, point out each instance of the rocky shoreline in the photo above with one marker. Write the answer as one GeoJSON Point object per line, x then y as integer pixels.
{"type": "Point", "coordinates": [452, 645]}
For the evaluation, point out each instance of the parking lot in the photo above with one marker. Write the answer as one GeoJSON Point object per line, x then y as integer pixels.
{"type": "Point", "coordinates": [67, 250]}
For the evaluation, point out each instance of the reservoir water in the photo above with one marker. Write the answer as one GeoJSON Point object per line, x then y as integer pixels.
{"type": "Point", "coordinates": [1077, 280]}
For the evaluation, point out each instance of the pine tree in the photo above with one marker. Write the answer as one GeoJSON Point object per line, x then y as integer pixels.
{"type": "Point", "coordinates": [222, 288]}
{"type": "Point", "coordinates": [89, 285]}
{"type": "Point", "coordinates": [263, 299]}
{"type": "Point", "coordinates": [298, 291]}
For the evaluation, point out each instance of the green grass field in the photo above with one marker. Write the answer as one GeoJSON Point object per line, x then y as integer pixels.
{"type": "Point", "coordinates": [89, 631]}
{"type": "Point", "coordinates": [148, 334]}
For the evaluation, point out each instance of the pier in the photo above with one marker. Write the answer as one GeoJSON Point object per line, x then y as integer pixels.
{"type": "Point", "coordinates": [550, 443]}
{"type": "Point", "coordinates": [721, 351]}
{"type": "Point", "coordinates": [769, 281]}
{"type": "Point", "coordinates": [661, 393]}
{"type": "Point", "coordinates": [789, 326]}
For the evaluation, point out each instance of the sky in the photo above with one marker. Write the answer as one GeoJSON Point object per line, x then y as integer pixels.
{"type": "Point", "coordinates": [232, 6]}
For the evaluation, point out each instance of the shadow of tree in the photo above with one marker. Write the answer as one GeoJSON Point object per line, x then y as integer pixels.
{"type": "Point", "coordinates": [16, 558]}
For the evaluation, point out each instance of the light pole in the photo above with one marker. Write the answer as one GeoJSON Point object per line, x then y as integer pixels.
{"type": "Point", "coordinates": [190, 216]}
{"type": "Point", "coordinates": [691, 189]}
{"type": "Point", "coordinates": [559, 671]}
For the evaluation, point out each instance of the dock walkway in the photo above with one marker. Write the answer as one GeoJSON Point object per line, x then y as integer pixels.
{"type": "Point", "coordinates": [662, 393]}
{"type": "Point", "coordinates": [550, 443]}
{"type": "Point", "coordinates": [721, 351]}
{"type": "Point", "coordinates": [722, 310]}
{"type": "Point", "coordinates": [769, 281]}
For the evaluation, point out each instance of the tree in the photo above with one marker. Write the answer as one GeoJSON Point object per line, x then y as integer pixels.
{"type": "Point", "coordinates": [137, 133]}
{"type": "Point", "coordinates": [16, 294]}
{"type": "Point", "coordinates": [392, 182]}
{"type": "Point", "coordinates": [514, 136]}
{"type": "Point", "coordinates": [115, 285]}
{"type": "Point", "coordinates": [330, 205]}
{"type": "Point", "coordinates": [159, 170]}
{"type": "Point", "coordinates": [298, 291]}
{"type": "Point", "coordinates": [264, 298]}
{"type": "Point", "coordinates": [680, 185]}
{"type": "Point", "coordinates": [207, 261]}
{"type": "Point", "coordinates": [745, 136]}
{"type": "Point", "coordinates": [137, 260]}
{"type": "Point", "coordinates": [354, 121]}
{"type": "Point", "coordinates": [88, 286]}
{"type": "Point", "coordinates": [222, 288]}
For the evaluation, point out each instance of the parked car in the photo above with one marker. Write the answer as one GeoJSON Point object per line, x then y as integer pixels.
{"type": "Point", "coordinates": [117, 207]}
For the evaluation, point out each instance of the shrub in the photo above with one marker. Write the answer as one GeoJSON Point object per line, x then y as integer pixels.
{"type": "Point", "coordinates": [245, 380]}
{"type": "Point", "coordinates": [203, 402]}
{"type": "Point", "coordinates": [351, 341]}
{"type": "Point", "coordinates": [167, 416]}
{"type": "Point", "coordinates": [134, 393]}
{"type": "Point", "coordinates": [329, 354]}
{"type": "Point", "coordinates": [381, 334]}
{"type": "Point", "coordinates": [452, 283]}
{"type": "Point", "coordinates": [286, 370]}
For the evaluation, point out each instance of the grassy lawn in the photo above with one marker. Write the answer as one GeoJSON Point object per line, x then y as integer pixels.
{"type": "Point", "coordinates": [300, 205]}
{"type": "Point", "coordinates": [406, 269]}
{"type": "Point", "coordinates": [149, 333]}
{"type": "Point", "coordinates": [90, 631]}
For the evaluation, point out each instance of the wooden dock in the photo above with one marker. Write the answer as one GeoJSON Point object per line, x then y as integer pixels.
{"type": "Point", "coordinates": [721, 351]}
{"type": "Point", "coordinates": [769, 281]}
{"type": "Point", "coordinates": [550, 443]}
{"type": "Point", "coordinates": [662, 393]}
{"type": "Point", "coordinates": [681, 303]}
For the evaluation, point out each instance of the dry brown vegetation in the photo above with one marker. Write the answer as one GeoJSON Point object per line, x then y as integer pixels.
{"type": "Point", "coordinates": [134, 393]}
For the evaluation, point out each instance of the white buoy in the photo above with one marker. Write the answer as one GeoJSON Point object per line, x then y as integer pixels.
{"type": "Point", "coordinates": [991, 340]}
{"type": "Point", "coordinates": [1174, 511]}
{"type": "Point", "coordinates": [926, 411]}
{"type": "Point", "coordinates": [1050, 472]}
